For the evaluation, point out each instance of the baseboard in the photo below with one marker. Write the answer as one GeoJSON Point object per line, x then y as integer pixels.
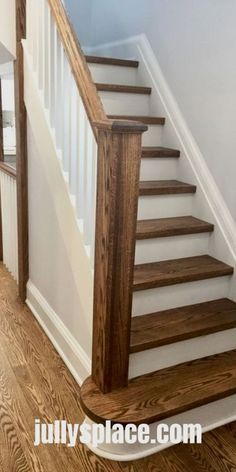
{"type": "Point", "coordinates": [67, 346]}
{"type": "Point", "coordinates": [139, 47]}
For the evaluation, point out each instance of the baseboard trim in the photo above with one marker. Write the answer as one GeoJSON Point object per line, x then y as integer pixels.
{"type": "Point", "coordinates": [66, 345]}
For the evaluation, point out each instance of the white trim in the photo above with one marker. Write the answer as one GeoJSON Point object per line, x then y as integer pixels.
{"type": "Point", "coordinates": [206, 182]}
{"type": "Point", "coordinates": [67, 346]}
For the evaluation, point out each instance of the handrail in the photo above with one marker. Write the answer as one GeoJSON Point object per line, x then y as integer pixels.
{"type": "Point", "coordinates": [79, 67]}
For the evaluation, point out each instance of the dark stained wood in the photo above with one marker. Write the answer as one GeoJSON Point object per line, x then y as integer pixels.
{"type": "Point", "coordinates": [8, 169]}
{"type": "Point", "coordinates": [164, 227]}
{"type": "Point", "coordinates": [165, 393]}
{"type": "Point", "coordinates": [124, 89]}
{"type": "Point", "coordinates": [21, 150]}
{"type": "Point", "coordinates": [1, 126]}
{"type": "Point", "coordinates": [165, 187]}
{"type": "Point", "coordinates": [171, 272]}
{"type": "Point", "coordinates": [158, 151]}
{"type": "Point", "coordinates": [147, 120]}
{"type": "Point", "coordinates": [178, 324]}
{"type": "Point", "coordinates": [119, 156]}
{"type": "Point", "coordinates": [35, 383]}
{"type": "Point", "coordinates": [111, 61]}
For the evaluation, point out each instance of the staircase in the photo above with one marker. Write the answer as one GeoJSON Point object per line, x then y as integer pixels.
{"type": "Point", "coordinates": [166, 233]}
{"type": "Point", "coordinates": [164, 326]}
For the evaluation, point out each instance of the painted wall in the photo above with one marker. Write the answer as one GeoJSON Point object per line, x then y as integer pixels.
{"type": "Point", "coordinates": [7, 30]}
{"type": "Point", "coordinates": [195, 43]}
{"type": "Point", "coordinates": [49, 267]}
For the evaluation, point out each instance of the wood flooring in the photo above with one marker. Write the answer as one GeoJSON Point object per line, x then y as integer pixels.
{"type": "Point", "coordinates": [35, 383]}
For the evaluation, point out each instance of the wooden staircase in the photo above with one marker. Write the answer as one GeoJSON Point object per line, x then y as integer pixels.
{"type": "Point", "coordinates": [176, 389]}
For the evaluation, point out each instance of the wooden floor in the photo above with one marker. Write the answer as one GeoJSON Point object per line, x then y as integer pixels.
{"type": "Point", "coordinates": [34, 383]}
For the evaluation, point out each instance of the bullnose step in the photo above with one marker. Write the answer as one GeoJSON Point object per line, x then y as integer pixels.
{"type": "Point", "coordinates": [165, 393]}
{"type": "Point", "coordinates": [178, 324]}
{"type": "Point", "coordinates": [147, 120]}
{"type": "Point", "coordinates": [176, 271]}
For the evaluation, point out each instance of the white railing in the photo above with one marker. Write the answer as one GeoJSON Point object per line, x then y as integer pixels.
{"type": "Point", "coordinates": [9, 223]}
{"type": "Point", "coordinates": [74, 138]}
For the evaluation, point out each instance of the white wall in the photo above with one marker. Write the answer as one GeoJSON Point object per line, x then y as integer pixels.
{"type": "Point", "coordinates": [195, 43]}
{"type": "Point", "coordinates": [7, 30]}
{"type": "Point", "coordinates": [49, 268]}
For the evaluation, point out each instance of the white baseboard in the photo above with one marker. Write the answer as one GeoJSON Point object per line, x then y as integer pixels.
{"type": "Point", "coordinates": [67, 346]}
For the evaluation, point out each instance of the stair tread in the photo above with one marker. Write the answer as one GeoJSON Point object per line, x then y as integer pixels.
{"type": "Point", "coordinates": [178, 324]}
{"type": "Point", "coordinates": [171, 272]}
{"type": "Point", "coordinates": [111, 61]}
{"type": "Point", "coordinates": [165, 187]}
{"type": "Point", "coordinates": [147, 120]}
{"type": "Point", "coordinates": [165, 393]}
{"type": "Point", "coordinates": [159, 151]}
{"type": "Point", "coordinates": [123, 88]}
{"type": "Point", "coordinates": [163, 227]}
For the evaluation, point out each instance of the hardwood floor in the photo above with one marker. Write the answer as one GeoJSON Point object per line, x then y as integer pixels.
{"type": "Point", "coordinates": [34, 383]}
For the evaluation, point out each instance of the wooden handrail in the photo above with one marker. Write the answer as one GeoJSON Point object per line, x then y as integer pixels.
{"type": "Point", "coordinates": [7, 169]}
{"type": "Point", "coordinates": [78, 64]}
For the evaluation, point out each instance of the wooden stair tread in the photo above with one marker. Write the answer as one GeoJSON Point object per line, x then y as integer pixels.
{"type": "Point", "coordinates": [111, 61]}
{"type": "Point", "coordinates": [165, 393]}
{"type": "Point", "coordinates": [147, 120]}
{"type": "Point", "coordinates": [165, 187]}
{"type": "Point", "coordinates": [123, 88]}
{"type": "Point", "coordinates": [163, 227]}
{"type": "Point", "coordinates": [159, 151]}
{"type": "Point", "coordinates": [176, 271]}
{"type": "Point", "coordinates": [170, 326]}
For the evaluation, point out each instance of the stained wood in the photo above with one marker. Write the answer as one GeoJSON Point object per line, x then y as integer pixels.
{"type": "Point", "coordinates": [8, 169]}
{"type": "Point", "coordinates": [147, 120]}
{"type": "Point", "coordinates": [176, 271]}
{"type": "Point", "coordinates": [170, 326]}
{"type": "Point", "coordinates": [111, 61]}
{"type": "Point", "coordinates": [165, 187]}
{"type": "Point", "coordinates": [165, 393]}
{"type": "Point", "coordinates": [21, 151]}
{"type": "Point", "coordinates": [159, 151]}
{"type": "Point", "coordinates": [119, 156]}
{"type": "Point", "coordinates": [124, 89]}
{"type": "Point", "coordinates": [37, 384]}
{"type": "Point", "coordinates": [164, 227]}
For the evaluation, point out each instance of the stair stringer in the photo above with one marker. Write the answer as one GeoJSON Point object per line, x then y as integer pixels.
{"type": "Point", "coordinates": [64, 205]}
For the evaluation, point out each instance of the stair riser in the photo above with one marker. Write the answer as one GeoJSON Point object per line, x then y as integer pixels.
{"type": "Point", "coordinates": [153, 136]}
{"type": "Point", "coordinates": [158, 169]}
{"type": "Point", "coordinates": [161, 249]}
{"type": "Point", "coordinates": [164, 298]}
{"type": "Point", "coordinates": [164, 206]}
{"type": "Point", "coordinates": [113, 74]}
{"type": "Point", "coordinates": [173, 354]}
{"type": "Point", "coordinates": [116, 103]}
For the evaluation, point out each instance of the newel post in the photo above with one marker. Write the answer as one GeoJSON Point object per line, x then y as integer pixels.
{"type": "Point", "coordinates": [119, 157]}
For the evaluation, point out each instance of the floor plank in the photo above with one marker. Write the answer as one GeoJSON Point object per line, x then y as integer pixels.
{"type": "Point", "coordinates": [35, 383]}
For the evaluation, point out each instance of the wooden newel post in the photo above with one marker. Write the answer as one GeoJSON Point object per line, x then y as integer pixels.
{"type": "Point", "coordinates": [119, 156]}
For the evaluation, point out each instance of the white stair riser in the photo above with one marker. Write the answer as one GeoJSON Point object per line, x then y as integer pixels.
{"type": "Point", "coordinates": [158, 169]}
{"type": "Point", "coordinates": [116, 103]}
{"type": "Point", "coordinates": [161, 249]}
{"type": "Point", "coordinates": [164, 298]}
{"type": "Point", "coordinates": [153, 136]}
{"type": "Point", "coordinates": [164, 206]}
{"type": "Point", "coordinates": [106, 74]}
{"type": "Point", "coordinates": [184, 351]}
